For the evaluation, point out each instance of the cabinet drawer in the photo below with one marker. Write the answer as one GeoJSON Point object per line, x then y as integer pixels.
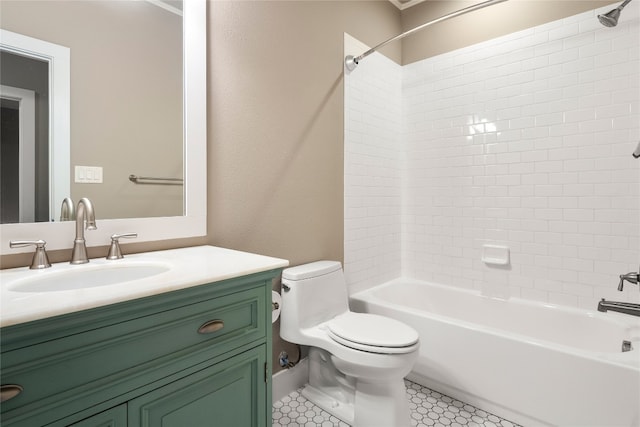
{"type": "Point", "coordinates": [68, 374]}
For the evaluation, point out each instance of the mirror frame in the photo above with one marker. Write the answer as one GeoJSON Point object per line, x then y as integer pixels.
{"type": "Point", "coordinates": [60, 235]}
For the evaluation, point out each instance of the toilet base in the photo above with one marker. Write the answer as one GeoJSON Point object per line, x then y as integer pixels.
{"type": "Point", "coordinates": [359, 402]}
{"type": "Point", "coordinates": [328, 388]}
{"type": "Point", "coordinates": [381, 404]}
{"type": "Point", "coordinates": [329, 403]}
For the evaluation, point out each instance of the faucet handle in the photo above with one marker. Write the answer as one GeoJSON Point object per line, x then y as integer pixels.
{"type": "Point", "coordinates": [114, 249]}
{"type": "Point", "coordinates": [633, 277]}
{"type": "Point", "coordinates": [40, 258]}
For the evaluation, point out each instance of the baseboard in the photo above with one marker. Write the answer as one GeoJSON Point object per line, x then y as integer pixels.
{"type": "Point", "coordinates": [289, 380]}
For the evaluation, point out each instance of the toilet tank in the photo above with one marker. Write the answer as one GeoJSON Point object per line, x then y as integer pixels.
{"type": "Point", "coordinates": [317, 292]}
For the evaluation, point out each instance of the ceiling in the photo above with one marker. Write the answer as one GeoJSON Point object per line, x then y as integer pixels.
{"type": "Point", "coordinates": [404, 4]}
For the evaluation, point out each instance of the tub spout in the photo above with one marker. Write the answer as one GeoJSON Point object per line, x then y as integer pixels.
{"type": "Point", "coordinates": [620, 307]}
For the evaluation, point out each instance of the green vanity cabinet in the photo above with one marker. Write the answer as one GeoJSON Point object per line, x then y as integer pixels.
{"type": "Point", "coordinates": [114, 417]}
{"type": "Point", "coordinates": [229, 393]}
{"type": "Point", "coordinates": [198, 356]}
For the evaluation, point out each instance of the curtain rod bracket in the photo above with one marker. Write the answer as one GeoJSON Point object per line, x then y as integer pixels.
{"type": "Point", "coordinates": [350, 62]}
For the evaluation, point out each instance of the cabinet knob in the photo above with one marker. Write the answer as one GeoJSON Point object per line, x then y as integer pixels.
{"type": "Point", "coordinates": [211, 326]}
{"type": "Point", "coordinates": [9, 391]}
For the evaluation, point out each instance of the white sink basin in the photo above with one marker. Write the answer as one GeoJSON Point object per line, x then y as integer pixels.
{"type": "Point", "coordinates": [88, 276]}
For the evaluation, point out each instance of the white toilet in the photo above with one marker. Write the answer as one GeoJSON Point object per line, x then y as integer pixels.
{"type": "Point", "coordinates": [357, 361]}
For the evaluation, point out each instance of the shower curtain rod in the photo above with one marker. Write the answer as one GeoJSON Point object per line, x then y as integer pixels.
{"type": "Point", "coordinates": [351, 62]}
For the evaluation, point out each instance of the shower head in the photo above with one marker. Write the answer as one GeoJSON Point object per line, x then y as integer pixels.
{"type": "Point", "coordinates": [610, 19]}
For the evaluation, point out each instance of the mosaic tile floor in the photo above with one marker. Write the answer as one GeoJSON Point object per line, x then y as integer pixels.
{"type": "Point", "coordinates": [428, 408]}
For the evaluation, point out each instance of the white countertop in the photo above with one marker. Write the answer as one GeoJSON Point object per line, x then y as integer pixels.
{"type": "Point", "coordinates": [188, 267]}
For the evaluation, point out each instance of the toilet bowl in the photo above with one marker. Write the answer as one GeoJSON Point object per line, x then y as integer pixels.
{"type": "Point", "coordinates": [357, 361]}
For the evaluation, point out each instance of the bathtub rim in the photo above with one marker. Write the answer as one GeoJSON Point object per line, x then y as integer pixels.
{"type": "Point", "coordinates": [630, 359]}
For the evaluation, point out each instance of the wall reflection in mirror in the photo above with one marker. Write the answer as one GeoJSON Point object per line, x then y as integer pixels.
{"type": "Point", "coordinates": [123, 114]}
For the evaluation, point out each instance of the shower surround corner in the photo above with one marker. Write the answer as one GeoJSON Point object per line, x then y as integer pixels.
{"type": "Point", "coordinates": [523, 141]}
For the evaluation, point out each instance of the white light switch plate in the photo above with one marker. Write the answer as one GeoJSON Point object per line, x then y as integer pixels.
{"type": "Point", "coordinates": [88, 174]}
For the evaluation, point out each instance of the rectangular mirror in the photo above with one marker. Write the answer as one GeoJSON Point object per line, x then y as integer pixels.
{"type": "Point", "coordinates": [189, 220]}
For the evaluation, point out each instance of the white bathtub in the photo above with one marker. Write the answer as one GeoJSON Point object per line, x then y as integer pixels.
{"type": "Point", "coordinates": [532, 363]}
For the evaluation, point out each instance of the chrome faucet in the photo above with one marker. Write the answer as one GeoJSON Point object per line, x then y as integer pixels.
{"type": "Point", "coordinates": [79, 253]}
{"type": "Point", "coordinates": [619, 306]}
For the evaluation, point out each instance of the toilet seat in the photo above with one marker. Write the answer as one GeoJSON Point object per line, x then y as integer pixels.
{"type": "Point", "coordinates": [372, 333]}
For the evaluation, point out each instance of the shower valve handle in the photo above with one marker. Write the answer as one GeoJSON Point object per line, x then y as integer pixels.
{"type": "Point", "coordinates": [632, 277]}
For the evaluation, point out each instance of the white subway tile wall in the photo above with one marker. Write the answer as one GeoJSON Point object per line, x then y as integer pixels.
{"type": "Point", "coordinates": [372, 174]}
{"type": "Point", "coordinates": [523, 141]}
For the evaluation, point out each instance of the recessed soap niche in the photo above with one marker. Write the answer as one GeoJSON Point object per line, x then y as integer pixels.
{"type": "Point", "coordinates": [496, 255]}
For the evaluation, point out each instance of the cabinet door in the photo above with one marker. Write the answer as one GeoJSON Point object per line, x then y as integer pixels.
{"type": "Point", "coordinates": [231, 393]}
{"type": "Point", "coordinates": [114, 417]}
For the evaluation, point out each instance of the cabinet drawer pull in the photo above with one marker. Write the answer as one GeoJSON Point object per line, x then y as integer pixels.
{"type": "Point", "coordinates": [211, 326]}
{"type": "Point", "coordinates": [9, 391]}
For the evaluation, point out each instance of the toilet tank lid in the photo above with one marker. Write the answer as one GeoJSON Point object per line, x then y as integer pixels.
{"type": "Point", "coordinates": [314, 269]}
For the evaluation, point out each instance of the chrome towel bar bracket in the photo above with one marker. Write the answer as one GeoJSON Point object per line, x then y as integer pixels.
{"type": "Point", "coordinates": [155, 181]}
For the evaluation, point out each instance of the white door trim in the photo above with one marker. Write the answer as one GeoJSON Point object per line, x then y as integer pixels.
{"type": "Point", "coordinates": [26, 100]}
{"type": "Point", "coordinates": [58, 58]}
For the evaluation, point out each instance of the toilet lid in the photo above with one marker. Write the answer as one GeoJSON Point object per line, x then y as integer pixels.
{"type": "Point", "coordinates": [371, 332]}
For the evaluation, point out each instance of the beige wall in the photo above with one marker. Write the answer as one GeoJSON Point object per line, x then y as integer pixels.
{"type": "Point", "coordinates": [276, 122]}
{"type": "Point", "coordinates": [485, 24]}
